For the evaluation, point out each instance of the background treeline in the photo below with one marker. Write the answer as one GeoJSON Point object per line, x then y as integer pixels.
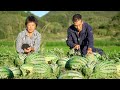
{"type": "Point", "coordinates": [54, 24]}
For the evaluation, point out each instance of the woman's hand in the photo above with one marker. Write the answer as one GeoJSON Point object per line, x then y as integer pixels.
{"type": "Point", "coordinates": [28, 50]}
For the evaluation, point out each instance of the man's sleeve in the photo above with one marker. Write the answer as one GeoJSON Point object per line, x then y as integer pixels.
{"type": "Point", "coordinates": [19, 44]}
{"type": "Point", "coordinates": [69, 40]}
{"type": "Point", "coordinates": [37, 42]}
{"type": "Point", "coordinates": [90, 36]}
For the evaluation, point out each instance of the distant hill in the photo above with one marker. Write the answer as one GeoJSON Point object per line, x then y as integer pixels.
{"type": "Point", "coordinates": [104, 23]}
{"type": "Point", "coordinates": [11, 23]}
{"type": "Point", "coordinates": [95, 18]}
{"type": "Point", "coordinates": [55, 23]}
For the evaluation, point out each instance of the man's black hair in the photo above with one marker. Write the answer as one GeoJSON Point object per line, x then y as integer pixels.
{"type": "Point", "coordinates": [31, 19]}
{"type": "Point", "coordinates": [76, 17]}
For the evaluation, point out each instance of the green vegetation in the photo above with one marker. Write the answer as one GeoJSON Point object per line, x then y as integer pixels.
{"type": "Point", "coordinates": [53, 27]}
{"type": "Point", "coordinates": [11, 23]}
{"type": "Point", "coordinates": [104, 23]}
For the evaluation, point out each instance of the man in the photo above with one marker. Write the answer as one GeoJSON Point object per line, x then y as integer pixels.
{"type": "Point", "coordinates": [80, 36]}
{"type": "Point", "coordinates": [29, 39]}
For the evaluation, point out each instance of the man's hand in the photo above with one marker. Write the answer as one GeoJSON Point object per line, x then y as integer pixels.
{"type": "Point", "coordinates": [89, 51]}
{"type": "Point", "coordinates": [77, 47]}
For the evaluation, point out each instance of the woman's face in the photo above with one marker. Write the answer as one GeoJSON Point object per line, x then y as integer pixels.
{"type": "Point", "coordinates": [31, 27]}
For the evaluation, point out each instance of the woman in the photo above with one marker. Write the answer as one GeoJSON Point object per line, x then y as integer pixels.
{"type": "Point", "coordinates": [29, 39]}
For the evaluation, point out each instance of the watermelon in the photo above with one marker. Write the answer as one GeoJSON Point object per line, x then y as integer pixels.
{"type": "Point", "coordinates": [106, 68]}
{"type": "Point", "coordinates": [20, 59]}
{"type": "Point", "coordinates": [27, 69]}
{"type": "Point", "coordinates": [34, 58]}
{"type": "Point", "coordinates": [43, 70]}
{"type": "Point", "coordinates": [97, 55]}
{"type": "Point", "coordinates": [50, 58]}
{"type": "Point", "coordinates": [16, 71]}
{"type": "Point", "coordinates": [89, 68]}
{"type": "Point", "coordinates": [76, 62]}
{"type": "Point", "coordinates": [73, 52]}
{"type": "Point", "coordinates": [118, 68]}
{"type": "Point", "coordinates": [71, 74]}
{"type": "Point", "coordinates": [5, 73]}
{"type": "Point", "coordinates": [62, 61]}
{"type": "Point", "coordinates": [55, 69]}
{"type": "Point", "coordinates": [91, 57]}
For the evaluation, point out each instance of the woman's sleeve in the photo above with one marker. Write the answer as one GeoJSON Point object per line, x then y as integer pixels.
{"type": "Point", "coordinates": [19, 44]}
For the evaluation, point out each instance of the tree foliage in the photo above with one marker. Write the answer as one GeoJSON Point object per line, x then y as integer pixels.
{"type": "Point", "coordinates": [104, 23]}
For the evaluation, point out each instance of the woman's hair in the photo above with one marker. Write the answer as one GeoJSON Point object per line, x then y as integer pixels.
{"type": "Point", "coordinates": [31, 19]}
{"type": "Point", "coordinates": [76, 17]}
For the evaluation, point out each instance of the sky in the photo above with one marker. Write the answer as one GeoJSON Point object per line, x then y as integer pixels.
{"type": "Point", "coordinates": [39, 13]}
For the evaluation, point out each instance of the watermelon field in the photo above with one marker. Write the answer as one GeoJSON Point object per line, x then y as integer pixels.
{"type": "Point", "coordinates": [54, 62]}
{"type": "Point", "coordinates": [54, 59]}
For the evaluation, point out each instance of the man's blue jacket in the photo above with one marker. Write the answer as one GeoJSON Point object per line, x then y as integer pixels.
{"type": "Point", "coordinates": [84, 38]}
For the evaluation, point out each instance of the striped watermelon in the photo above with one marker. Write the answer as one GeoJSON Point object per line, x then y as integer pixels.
{"type": "Point", "coordinates": [34, 58]}
{"type": "Point", "coordinates": [76, 62]}
{"type": "Point", "coordinates": [97, 55]}
{"type": "Point", "coordinates": [20, 59]}
{"type": "Point", "coordinates": [27, 69]}
{"type": "Point", "coordinates": [62, 62]}
{"type": "Point", "coordinates": [89, 68]}
{"type": "Point", "coordinates": [91, 57]}
{"type": "Point", "coordinates": [5, 73]}
{"type": "Point", "coordinates": [118, 68]}
{"type": "Point", "coordinates": [55, 69]}
{"type": "Point", "coordinates": [50, 58]}
{"type": "Point", "coordinates": [44, 70]}
{"type": "Point", "coordinates": [97, 76]}
{"type": "Point", "coordinates": [106, 68]}
{"type": "Point", "coordinates": [71, 74]}
{"type": "Point", "coordinates": [16, 71]}
{"type": "Point", "coordinates": [87, 71]}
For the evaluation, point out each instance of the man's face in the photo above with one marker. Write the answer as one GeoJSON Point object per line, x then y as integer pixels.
{"type": "Point", "coordinates": [78, 24]}
{"type": "Point", "coordinates": [31, 27]}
